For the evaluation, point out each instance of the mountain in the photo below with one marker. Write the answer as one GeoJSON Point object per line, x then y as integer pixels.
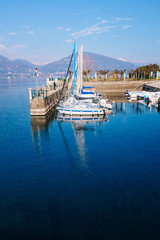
{"type": "Point", "coordinates": [25, 63]}
{"type": "Point", "coordinates": [15, 68]}
{"type": "Point", "coordinates": [91, 61]}
{"type": "Point", "coordinates": [23, 68]}
{"type": "Point", "coordinates": [101, 62]}
{"type": "Point", "coordinates": [12, 65]}
{"type": "Point", "coordinates": [58, 66]}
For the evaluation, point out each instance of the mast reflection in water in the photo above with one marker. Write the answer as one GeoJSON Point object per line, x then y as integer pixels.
{"type": "Point", "coordinates": [80, 125]}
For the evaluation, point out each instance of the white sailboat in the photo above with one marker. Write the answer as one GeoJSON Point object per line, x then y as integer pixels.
{"type": "Point", "coordinates": [73, 105]}
{"type": "Point", "coordinates": [81, 109]}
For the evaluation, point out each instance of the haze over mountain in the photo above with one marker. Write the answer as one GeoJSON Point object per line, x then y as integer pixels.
{"type": "Point", "coordinates": [15, 68]}
{"type": "Point", "coordinates": [91, 61]}
{"type": "Point", "coordinates": [11, 65]}
{"type": "Point", "coordinates": [23, 68]}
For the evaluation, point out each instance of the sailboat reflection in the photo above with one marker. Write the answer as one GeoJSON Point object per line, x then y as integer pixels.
{"type": "Point", "coordinates": [80, 125]}
{"type": "Point", "coordinates": [40, 131]}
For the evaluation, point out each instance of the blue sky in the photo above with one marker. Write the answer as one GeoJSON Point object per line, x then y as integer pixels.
{"type": "Point", "coordinates": [43, 31]}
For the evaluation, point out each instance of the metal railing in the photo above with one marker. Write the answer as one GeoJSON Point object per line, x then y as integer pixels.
{"type": "Point", "coordinates": [43, 91]}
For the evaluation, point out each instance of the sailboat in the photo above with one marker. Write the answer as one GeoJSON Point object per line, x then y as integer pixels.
{"type": "Point", "coordinates": [81, 108]}
{"type": "Point", "coordinates": [80, 102]}
{"type": "Point", "coordinates": [73, 105]}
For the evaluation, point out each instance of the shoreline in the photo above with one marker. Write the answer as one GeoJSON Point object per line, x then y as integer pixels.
{"type": "Point", "coordinates": [115, 90]}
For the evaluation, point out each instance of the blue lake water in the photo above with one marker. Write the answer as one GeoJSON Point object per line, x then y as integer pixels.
{"type": "Point", "coordinates": [78, 179]}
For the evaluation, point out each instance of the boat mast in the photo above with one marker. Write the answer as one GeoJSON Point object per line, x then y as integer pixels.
{"type": "Point", "coordinates": [65, 78]}
{"type": "Point", "coordinates": [74, 67]}
{"type": "Point", "coordinates": [81, 68]}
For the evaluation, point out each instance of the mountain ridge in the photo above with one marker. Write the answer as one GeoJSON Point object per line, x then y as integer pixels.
{"type": "Point", "coordinates": [23, 68]}
{"type": "Point", "coordinates": [92, 61]}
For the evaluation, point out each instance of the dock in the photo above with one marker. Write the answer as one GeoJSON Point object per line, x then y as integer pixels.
{"type": "Point", "coordinates": [152, 86]}
{"type": "Point", "coordinates": [114, 90]}
{"type": "Point", "coordinates": [43, 100]}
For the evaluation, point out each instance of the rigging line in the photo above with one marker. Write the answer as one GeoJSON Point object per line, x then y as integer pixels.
{"type": "Point", "coordinates": [65, 77]}
{"type": "Point", "coordinates": [72, 86]}
{"type": "Point", "coordinates": [68, 149]}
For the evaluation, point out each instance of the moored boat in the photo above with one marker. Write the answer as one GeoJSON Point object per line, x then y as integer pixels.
{"type": "Point", "coordinates": [80, 101]}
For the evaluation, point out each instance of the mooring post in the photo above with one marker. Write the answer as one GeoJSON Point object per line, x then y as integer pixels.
{"type": "Point", "coordinates": [52, 86]}
{"type": "Point", "coordinates": [37, 95]}
{"type": "Point", "coordinates": [43, 92]}
{"type": "Point", "coordinates": [30, 94]}
{"type": "Point", "coordinates": [96, 76]}
{"type": "Point", "coordinates": [46, 91]}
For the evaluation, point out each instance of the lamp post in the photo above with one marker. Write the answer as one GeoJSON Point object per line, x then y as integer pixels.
{"type": "Point", "coordinates": [36, 75]}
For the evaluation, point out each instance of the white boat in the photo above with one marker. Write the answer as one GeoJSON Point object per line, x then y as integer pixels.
{"type": "Point", "coordinates": [144, 95]}
{"type": "Point", "coordinates": [105, 104]}
{"type": "Point", "coordinates": [75, 106]}
{"type": "Point", "coordinates": [148, 97]}
{"type": "Point", "coordinates": [81, 110]}
{"type": "Point", "coordinates": [134, 94]}
{"type": "Point", "coordinates": [153, 98]}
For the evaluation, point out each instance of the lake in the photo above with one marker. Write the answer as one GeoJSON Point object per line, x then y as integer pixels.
{"type": "Point", "coordinates": [78, 179]}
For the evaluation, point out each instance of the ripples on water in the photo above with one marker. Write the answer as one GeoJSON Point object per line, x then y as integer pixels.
{"type": "Point", "coordinates": [78, 179]}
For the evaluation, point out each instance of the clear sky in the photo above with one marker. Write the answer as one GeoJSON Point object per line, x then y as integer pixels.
{"type": "Point", "coordinates": [43, 31]}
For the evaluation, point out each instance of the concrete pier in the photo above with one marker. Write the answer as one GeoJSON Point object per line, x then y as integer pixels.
{"type": "Point", "coordinates": [44, 99]}
{"type": "Point", "coordinates": [115, 90]}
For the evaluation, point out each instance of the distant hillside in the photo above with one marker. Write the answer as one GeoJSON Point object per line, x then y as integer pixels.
{"type": "Point", "coordinates": [12, 65]}
{"type": "Point", "coordinates": [15, 68]}
{"type": "Point", "coordinates": [91, 61]}
{"type": "Point", "coordinates": [23, 68]}
{"type": "Point", "coordinates": [100, 62]}
{"type": "Point", "coordinates": [58, 66]}
{"type": "Point", "coordinates": [24, 63]}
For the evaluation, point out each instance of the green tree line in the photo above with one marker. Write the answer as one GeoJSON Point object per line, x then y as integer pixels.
{"type": "Point", "coordinates": [144, 72]}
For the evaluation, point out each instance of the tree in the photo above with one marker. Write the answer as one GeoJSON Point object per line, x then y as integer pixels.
{"type": "Point", "coordinates": [106, 74]}
{"type": "Point", "coordinates": [71, 73]}
{"type": "Point", "coordinates": [121, 74]}
{"type": "Point", "coordinates": [100, 72]}
{"type": "Point", "coordinates": [144, 72]}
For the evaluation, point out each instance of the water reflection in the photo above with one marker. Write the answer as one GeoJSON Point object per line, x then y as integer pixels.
{"type": "Point", "coordinates": [40, 132]}
{"type": "Point", "coordinates": [67, 147]}
{"type": "Point", "coordinates": [80, 125]}
{"type": "Point", "coordinates": [42, 122]}
{"type": "Point", "coordinates": [138, 107]}
{"type": "Point", "coordinates": [40, 129]}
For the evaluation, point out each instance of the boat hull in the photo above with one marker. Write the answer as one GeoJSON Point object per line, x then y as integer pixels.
{"type": "Point", "coordinates": [84, 97]}
{"type": "Point", "coordinates": [76, 112]}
